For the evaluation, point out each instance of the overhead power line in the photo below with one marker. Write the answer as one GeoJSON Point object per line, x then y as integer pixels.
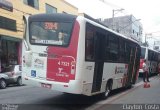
{"type": "Point", "coordinates": [110, 4]}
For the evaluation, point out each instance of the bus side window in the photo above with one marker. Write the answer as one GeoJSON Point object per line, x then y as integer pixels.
{"type": "Point", "coordinates": [128, 52]}
{"type": "Point", "coordinates": [106, 56]}
{"type": "Point", "coordinates": [113, 48]}
{"type": "Point", "coordinates": [89, 44]}
{"type": "Point", "coordinates": [122, 50]}
{"type": "Point", "coordinates": [149, 54]}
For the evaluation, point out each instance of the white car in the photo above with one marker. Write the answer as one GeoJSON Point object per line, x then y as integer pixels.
{"type": "Point", "coordinates": [14, 73]}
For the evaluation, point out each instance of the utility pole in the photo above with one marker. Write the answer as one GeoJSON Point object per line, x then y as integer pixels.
{"type": "Point", "coordinates": [113, 19]}
{"type": "Point", "coordinates": [146, 34]}
{"type": "Point", "coordinates": [113, 13]}
{"type": "Point", "coordinates": [145, 38]}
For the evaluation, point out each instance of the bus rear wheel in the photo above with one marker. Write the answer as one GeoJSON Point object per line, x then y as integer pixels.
{"type": "Point", "coordinates": [108, 90]}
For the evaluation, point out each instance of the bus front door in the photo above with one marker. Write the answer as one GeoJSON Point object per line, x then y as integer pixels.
{"type": "Point", "coordinates": [131, 67]}
{"type": "Point", "coordinates": [98, 69]}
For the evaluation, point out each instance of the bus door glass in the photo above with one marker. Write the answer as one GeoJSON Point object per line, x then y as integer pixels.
{"type": "Point", "coordinates": [143, 52]}
{"type": "Point", "coordinates": [136, 65]}
{"type": "Point", "coordinates": [131, 50]}
{"type": "Point", "coordinates": [132, 64]}
{"type": "Point", "coordinates": [99, 62]}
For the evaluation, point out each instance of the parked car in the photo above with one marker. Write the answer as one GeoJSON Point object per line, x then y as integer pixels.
{"type": "Point", "coordinates": [3, 81]}
{"type": "Point", "coordinates": [14, 73]}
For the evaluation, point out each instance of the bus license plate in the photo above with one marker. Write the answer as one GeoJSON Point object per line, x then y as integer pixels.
{"type": "Point", "coordinates": [46, 85]}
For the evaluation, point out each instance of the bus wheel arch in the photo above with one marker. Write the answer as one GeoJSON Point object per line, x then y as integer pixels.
{"type": "Point", "coordinates": [108, 88]}
{"type": "Point", "coordinates": [109, 84]}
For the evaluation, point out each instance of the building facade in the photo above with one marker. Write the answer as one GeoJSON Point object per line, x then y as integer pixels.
{"type": "Point", "coordinates": [11, 24]}
{"type": "Point", "coordinates": [126, 25]}
{"type": "Point", "coordinates": [156, 45]}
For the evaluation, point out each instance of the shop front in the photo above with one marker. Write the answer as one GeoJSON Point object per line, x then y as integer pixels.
{"type": "Point", "coordinates": [10, 51]}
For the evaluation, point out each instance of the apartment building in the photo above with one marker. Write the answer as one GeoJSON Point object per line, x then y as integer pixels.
{"type": "Point", "coordinates": [127, 25]}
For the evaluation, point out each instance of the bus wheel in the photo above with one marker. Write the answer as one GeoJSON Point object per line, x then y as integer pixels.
{"type": "Point", "coordinates": [129, 87]}
{"type": "Point", "coordinates": [108, 89]}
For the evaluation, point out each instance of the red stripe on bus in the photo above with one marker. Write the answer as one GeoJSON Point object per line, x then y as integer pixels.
{"type": "Point", "coordinates": [61, 68]}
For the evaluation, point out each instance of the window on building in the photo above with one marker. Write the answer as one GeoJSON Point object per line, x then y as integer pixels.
{"type": "Point", "coordinates": [9, 54]}
{"type": "Point", "coordinates": [7, 23]}
{"type": "Point", "coordinates": [50, 9]}
{"type": "Point", "coordinates": [156, 47]}
{"type": "Point", "coordinates": [32, 3]}
{"type": "Point", "coordinates": [133, 31]}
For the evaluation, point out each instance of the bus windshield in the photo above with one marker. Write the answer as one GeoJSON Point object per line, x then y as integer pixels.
{"type": "Point", "coordinates": [143, 51]}
{"type": "Point", "coordinates": [50, 33]}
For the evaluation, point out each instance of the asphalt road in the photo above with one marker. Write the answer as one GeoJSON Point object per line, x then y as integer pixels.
{"type": "Point", "coordinates": [35, 96]}
{"type": "Point", "coordinates": [29, 97]}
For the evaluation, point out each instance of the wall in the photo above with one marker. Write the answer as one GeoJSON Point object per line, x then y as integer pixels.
{"type": "Point", "coordinates": [20, 9]}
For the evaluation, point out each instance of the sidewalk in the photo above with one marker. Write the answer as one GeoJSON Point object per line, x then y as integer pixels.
{"type": "Point", "coordinates": [143, 95]}
{"type": "Point", "coordinates": [134, 98]}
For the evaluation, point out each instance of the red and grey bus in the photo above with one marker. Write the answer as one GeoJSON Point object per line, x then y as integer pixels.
{"type": "Point", "coordinates": [78, 55]}
{"type": "Point", "coordinates": [152, 57]}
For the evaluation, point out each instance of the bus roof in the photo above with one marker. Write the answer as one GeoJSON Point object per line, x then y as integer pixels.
{"type": "Point", "coordinates": [96, 23]}
{"type": "Point", "coordinates": [71, 18]}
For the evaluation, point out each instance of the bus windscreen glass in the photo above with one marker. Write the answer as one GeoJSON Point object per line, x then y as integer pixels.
{"type": "Point", "coordinates": [50, 33]}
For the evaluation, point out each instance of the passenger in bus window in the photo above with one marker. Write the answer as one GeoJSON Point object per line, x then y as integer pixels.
{"type": "Point", "coordinates": [61, 37]}
{"type": "Point", "coordinates": [145, 71]}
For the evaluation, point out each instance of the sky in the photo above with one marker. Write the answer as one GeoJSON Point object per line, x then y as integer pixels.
{"type": "Point", "coordinates": [146, 10]}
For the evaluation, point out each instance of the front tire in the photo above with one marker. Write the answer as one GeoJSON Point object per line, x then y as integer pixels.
{"type": "Point", "coordinates": [3, 84]}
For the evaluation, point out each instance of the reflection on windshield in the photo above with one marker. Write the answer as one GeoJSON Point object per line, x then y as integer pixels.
{"type": "Point", "coordinates": [51, 33]}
